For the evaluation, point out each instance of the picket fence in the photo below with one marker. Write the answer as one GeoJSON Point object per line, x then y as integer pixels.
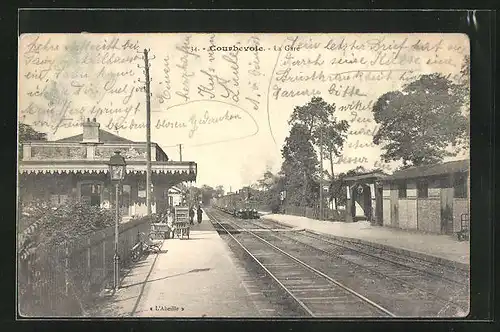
{"type": "Point", "coordinates": [64, 280]}
{"type": "Point", "coordinates": [313, 213]}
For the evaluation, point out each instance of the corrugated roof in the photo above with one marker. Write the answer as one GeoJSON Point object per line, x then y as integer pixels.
{"type": "Point", "coordinates": [431, 170]}
{"type": "Point", "coordinates": [368, 175]}
{"type": "Point", "coordinates": [104, 137]}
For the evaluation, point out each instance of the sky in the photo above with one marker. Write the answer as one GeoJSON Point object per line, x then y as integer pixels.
{"type": "Point", "coordinates": [229, 108]}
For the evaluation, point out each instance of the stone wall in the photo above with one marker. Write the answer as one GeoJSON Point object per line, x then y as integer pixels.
{"type": "Point", "coordinates": [57, 153]}
{"type": "Point", "coordinates": [408, 213]}
{"type": "Point", "coordinates": [429, 215]}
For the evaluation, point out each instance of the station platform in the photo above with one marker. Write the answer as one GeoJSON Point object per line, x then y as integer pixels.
{"type": "Point", "coordinates": [195, 277]}
{"type": "Point", "coordinates": [444, 249]}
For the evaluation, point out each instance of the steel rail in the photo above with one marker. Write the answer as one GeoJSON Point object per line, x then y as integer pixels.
{"type": "Point", "coordinates": [358, 250]}
{"type": "Point", "coordinates": [446, 301]}
{"type": "Point", "coordinates": [264, 268]}
{"type": "Point", "coordinates": [349, 290]}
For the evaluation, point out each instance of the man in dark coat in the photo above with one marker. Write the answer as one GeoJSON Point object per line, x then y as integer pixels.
{"type": "Point", "coordinates": [199, 214]}
{"type": "Point", "coordinates": [191, 215]}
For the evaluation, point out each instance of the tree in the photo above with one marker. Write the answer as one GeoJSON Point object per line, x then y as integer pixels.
{"type": "Point", "coordinates": [269, 187]}
{"type": "Point", "coordinates": [299, 165]}
{"type": "Point", "coordinates": [207, 193]}
{"type": "Point", "coordinates": [332, 136]}
{"type": "Point", "coordinates": [464, 90]}
{"type": "Point", "coordinates": [219, 190]}
{"type": "Point", "coordinates": [465, 74]}
{"type": "Point", "coordinates": [320, 126]}
{"type": "Point", "coordinates": [420, 123]}
{"type": "Point", "coordinates": [27, 133]}
{"type": "Point", "coordinates": [324, 129]}
{"type": "Point", "coordinates": [203, 194]}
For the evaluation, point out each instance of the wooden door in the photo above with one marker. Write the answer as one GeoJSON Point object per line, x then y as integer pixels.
{"type": "Point", "coordinates": [125, 200]}
{"type": "Point", "coordinates": [379, 205]}
{"type": "Point", "coordinates": [446, 210]}
{"type": "Point", "coordinates": [367, 202]}
{"type": "Point", "coordinates": [394, 207]}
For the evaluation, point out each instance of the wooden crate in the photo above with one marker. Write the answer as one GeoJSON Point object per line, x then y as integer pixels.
{"type": "Point", "coordinates": [181, 222]}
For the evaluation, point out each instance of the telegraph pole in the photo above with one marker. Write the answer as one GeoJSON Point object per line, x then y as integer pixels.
{"type": "Point", "coordinates": [321, 175]}
{"type": "Point", "coordinates": [180, 152]}
{"type": "Point", "coordinates": [148, 134]}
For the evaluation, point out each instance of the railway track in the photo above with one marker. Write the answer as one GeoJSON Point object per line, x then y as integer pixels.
{"type": "Point", "coordinates": [317, 294]}
{"type": "Point", "coordinates": [394, 282]}
{"type": "Point", "coordinates": [408, 264]}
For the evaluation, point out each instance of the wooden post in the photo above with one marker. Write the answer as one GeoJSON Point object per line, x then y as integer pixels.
{"type": "Point", "coordinates": [66, 270]}
{"type": "Point", "coordinates": [116, 267]}
{"type": "Point", "coordinates": [104, 269]}
{"type": "Point", "coordinates": [148, 135]}
{"type": "Point", "coordinates": [89, 255]}
{"type": "Point", "coordinates": [349, 203]}
{"type": "Point", "coordinates": [321, 175]}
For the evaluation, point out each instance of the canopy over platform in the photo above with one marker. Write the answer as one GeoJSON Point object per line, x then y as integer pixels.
{"type": "Point", "coordinates": [187, 169]}
{"type": "Point", "coordinates": [457, 166]}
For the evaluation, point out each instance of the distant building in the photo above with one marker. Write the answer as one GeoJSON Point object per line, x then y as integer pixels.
{"type": "Point", "coordinates": [77, 168]}
{"type": "Point", "coordinates": [427, 198]}
{"type": "Point", "coordinates": [174, 196]}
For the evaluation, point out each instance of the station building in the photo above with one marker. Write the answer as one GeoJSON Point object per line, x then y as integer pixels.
{"type": "Point", "coordinates": [431, 198]}
{"type": "Point", "coordinates": [77, 168]}
{"type": "Point", "coordinates": [174, 195]}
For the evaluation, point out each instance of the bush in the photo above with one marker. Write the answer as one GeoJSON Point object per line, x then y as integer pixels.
{"type": "Point", "coordinates": [64, 223]}
{"type": "Point", "coordinates": [44, 230]}
{"type": "Point", "coordinates": [275, 208]}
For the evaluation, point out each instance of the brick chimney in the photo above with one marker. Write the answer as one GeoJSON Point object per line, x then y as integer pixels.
{"type": "Point", "coordinates": [91, 131]}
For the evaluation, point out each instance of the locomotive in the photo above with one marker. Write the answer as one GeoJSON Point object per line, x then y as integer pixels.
{"type": "Point", "coordinates": [236, 205]}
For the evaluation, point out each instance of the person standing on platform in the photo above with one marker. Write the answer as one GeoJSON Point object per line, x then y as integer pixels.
{"type": "Point", "coordinates": [191, 215]}
{"type": "Point", "coordinates": [199, 214]}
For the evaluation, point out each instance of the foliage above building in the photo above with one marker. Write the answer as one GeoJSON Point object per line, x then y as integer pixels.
{"type": "Point", "coordinates": [423, 123]}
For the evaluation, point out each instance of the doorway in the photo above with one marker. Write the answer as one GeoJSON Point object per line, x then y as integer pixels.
{"type": "Point", "coordinates": [91, 192]}
{"type": "Point", "coordinates": [379, 205]}
{"type": "Point", "coordinates": [125, 200]}
{"type": "Point", "coordinates": [361, 202]}
{"type": "Point", "coordinates": [447, 211]}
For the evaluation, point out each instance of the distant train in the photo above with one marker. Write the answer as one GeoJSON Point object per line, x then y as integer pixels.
{"type": "Point", "coordinates": [238, 205]}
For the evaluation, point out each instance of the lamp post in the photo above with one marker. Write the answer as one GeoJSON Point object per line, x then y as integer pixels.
{"type": "Point", "coordinates": [117, 167]}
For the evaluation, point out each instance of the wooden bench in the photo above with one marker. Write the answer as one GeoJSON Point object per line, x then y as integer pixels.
{"type": "Point", "coordinates": [136, 251]}
{"type": "Point", "coordinates": [145, 244]}
{"type": "Point", "coordinates": [161, 230]}
{"type": "Point", "coordinates": [152, 246]}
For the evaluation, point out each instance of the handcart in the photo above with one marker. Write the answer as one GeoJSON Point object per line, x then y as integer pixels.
{"type": "Point", "coordinates": [181, 222]}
